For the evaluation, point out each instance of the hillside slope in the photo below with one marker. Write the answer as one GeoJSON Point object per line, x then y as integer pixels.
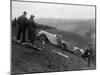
{"type": "Point", "coordinates": [26, 60]}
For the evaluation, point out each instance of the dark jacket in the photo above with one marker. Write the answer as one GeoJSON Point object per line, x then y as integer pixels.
{"type": "Point", "coordinates": [22, 21]}
{"type": "Point", "coordinates": [91, 51]}
{"type": "Point", "coordinates": [31, 25]}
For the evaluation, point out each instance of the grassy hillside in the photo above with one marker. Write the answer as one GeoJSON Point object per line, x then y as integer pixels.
{"type": "Point", "coordinates": [25, 60]}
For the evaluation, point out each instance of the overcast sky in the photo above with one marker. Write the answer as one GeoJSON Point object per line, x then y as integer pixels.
{"type": "Point", "coordinates": [44, 10]}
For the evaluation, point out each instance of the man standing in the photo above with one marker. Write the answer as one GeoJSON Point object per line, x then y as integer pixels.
{"type": "Point", "coordinates": [92, 55]}
{"type": "Point", "coordinates": [31, 30]}
{"type": "Point", "coordinates": [22, 26]}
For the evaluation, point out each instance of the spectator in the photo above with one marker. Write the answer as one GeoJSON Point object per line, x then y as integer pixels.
{"type": "Point", "coordinates": [22, 26]}
{"type": "Point", "coordinates": [92, 55]}
{"type": "Point", "coordinates": [31, 30]}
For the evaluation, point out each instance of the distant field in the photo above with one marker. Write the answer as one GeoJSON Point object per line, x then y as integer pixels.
{"type": "Point", "coordinates": [72, 25]}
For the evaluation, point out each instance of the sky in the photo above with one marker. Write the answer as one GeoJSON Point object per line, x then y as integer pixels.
{"type": "Point", "coordinates": [59, 11]}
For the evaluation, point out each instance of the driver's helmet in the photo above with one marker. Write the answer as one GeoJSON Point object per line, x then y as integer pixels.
{"type": "Point", "coordinates": [59, 38]}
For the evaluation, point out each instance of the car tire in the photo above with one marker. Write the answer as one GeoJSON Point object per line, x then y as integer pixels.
{"type": "Point", "coordinates": [43, 37]}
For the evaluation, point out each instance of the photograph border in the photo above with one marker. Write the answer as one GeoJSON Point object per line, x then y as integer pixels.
{"type": "Point", "coordinates": [44, 2]}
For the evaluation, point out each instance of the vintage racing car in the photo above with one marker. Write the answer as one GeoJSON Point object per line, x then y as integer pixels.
{"type": "Point", "coordinates": [54, 39]}
{"type": "Point", "coordinates": [57, 40]}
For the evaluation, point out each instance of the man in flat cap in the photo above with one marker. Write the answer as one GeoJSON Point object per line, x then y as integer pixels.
{"type": "Point", "coordinates": [32, 29]}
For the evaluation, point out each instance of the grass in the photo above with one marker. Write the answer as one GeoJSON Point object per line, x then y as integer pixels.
{"type": "Point", "coordinates": [26, 60]}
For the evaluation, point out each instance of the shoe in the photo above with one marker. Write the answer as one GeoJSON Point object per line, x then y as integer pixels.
{"type": "Point", "coordinates": [18, 41]}
{"type": "Point", "coordinates": [13, 37]}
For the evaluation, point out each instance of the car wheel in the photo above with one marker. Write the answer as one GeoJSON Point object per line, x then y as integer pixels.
{"type": "Point", "coordinates": [43, 37]}
{"type": "Point", "coordinates": [77, 52]}
{"type": "Point", "coordinates": [63, 46]}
